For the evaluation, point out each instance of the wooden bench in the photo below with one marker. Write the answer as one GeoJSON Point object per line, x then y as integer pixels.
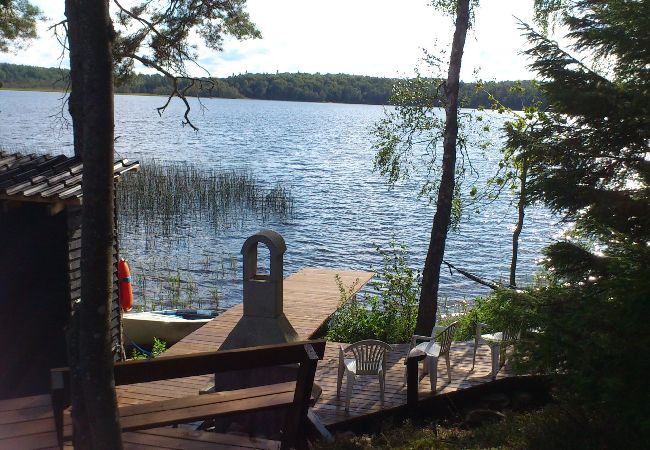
{"type": "Point", "coordinates": [295, 395]}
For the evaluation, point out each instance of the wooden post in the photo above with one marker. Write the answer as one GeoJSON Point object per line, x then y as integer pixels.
{"type": "Point", "coordinates": [298, 412]}
{"type": "Point", "coordinates": [59, 397]}
{"type": "Point", "coordinates": [412, 380]}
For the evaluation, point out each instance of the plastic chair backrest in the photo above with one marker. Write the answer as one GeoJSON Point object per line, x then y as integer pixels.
{"type": "Point", "coordinates": [445, 337]}
{"type": "Point", "coordinates": [369, 355]}
{"type": "Point", "coordinates": [511, 334]}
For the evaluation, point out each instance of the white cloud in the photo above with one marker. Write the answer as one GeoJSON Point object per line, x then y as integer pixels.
{"type": "Point", "coordinates": [369, 37]}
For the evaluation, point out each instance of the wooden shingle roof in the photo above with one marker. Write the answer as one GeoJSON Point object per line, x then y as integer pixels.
{"type": "Point", "coordinates": [47, 178]}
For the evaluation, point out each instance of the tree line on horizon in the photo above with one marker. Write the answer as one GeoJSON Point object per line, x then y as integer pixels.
{"type": "Point", "coordinates": [302, 87]}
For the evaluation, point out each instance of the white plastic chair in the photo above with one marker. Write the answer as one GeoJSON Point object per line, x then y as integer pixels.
{"type": "Point", "coordinates": [434, 346]}
{"type": "Point", "coordinates": [368, 357]}
{"type": "Point", "coordinates": [498, 343]}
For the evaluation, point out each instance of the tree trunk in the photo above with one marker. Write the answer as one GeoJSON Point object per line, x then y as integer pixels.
{"type": "Point", "coordinates": [428, 305]}
{"type": "Point", "coordinates": [521, 207]}
{"type": "Point", "coordinates": [75, 99]}
{"type": "Point", "coordinates": [91, 36]}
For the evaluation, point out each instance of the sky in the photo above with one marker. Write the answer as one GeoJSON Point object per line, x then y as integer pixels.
{"type": "Point", "coordinates": [363, 37]}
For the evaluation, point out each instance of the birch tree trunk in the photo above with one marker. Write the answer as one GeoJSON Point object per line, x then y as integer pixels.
{"type": "Point", "coordinates": [431, 274]}
{"type": "Point", "coordinates": [521, 210]}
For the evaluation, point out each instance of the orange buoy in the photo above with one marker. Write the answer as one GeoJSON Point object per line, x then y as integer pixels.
{"type": "Point", "coordinates": [126, 291]}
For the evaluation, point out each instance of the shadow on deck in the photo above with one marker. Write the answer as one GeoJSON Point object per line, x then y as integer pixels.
{"type": "Point", "coordinates": [365, 396]}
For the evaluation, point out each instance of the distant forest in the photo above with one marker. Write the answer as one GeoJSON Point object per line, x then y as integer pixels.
{"type": "Point", "coordinates": [302, 87]}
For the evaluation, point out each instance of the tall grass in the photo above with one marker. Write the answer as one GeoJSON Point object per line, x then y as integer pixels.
{"type": "Point", "coordinates": [165, 197]}
{"type": "Point", "coordinates": [165, 213]}
{"type": "Point", "coordinates": [164, 283]}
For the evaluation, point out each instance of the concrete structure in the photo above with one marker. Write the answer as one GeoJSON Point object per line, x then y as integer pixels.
{"type": "Point", "coordinates": [263, 321]}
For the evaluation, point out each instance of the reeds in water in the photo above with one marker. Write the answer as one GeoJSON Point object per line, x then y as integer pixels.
{"type": "Point", "coordinates": [165, 197]}
{"type": "Point", "coordinates": [165, 213]}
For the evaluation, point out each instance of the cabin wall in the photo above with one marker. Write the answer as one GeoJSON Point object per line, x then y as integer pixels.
{"type": "Point", "coordinates": [40, 279]}
{"type": "Point", "coordinates": [74, 245]}
{"type": "Point", "coordinates": [34, 296]}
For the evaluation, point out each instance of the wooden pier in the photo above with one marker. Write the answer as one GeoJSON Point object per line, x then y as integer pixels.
{"type": "Point", "coordinates": [311, 296]}
{"type": "Point", "coordinates": [365, 396]}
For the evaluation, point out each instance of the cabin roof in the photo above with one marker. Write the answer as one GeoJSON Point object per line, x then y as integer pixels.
{"type": "Point", "coordinates": [47, 178]}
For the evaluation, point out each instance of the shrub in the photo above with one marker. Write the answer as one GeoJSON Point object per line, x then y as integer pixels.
{"type": "Point", "coordinates": [159, 346]}
{"type": "Point", "coordinates": [391, 314]}
{"type": "Point", "coordinates": [503, 309]}
{"type": "Point", "coordinates": [552, 427]}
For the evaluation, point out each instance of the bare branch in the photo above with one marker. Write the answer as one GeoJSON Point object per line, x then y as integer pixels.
{"type": "Point", "coordinates": [479, 280]}
{"type": "Point", "coordinates": [176, 92]}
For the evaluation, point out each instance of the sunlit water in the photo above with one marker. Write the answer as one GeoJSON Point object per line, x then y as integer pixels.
{"type": "Point", "coordinates": [322, 154]}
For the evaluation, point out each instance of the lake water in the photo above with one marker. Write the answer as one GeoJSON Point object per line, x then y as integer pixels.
{"type": "Point", "coordinates": [322, 153]}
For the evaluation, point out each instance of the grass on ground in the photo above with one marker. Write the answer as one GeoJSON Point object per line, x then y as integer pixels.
{"type": "Point", "coordinates": [552, 427]}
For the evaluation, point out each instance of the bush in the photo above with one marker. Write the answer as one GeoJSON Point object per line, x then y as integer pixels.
{"type": "Point", "coordinates": [389, 316]}
{"type": "Point", "coordinates": [159, 346]}
{"type": "Point", "coordinates": [553, 427]}
{"type": "Point", "coordinates": [594, 341]}
{"type": "Point", "coordinates": [590, 338]}
{"type": "Point", "coordinates": [503, 309]}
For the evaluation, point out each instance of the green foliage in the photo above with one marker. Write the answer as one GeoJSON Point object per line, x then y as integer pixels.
{"type": "Point", "coordinates": [553, 427]}
{"type": "Point", "coordinates": [591, 167]}
{"type": "Point", "coordinates": [302, 87]}
{"type": "Point", "coordinates": [17, 23]}
{"type": "Point", "coordinates": [408, 140]}
{"type": "Point", "coordinates": [158, 348]}
{"type": "Point", "coordinates": [448, 7]}
{"type": "Point", "coordinates": [333, 88]}
{"type": "Point", "coordinates": [548, 12]}
{"type": "Point", "coordinates": [389, 316]}
{"type": "Point", "coordinates": [503, 309]}
{"type": "Point", "coordinates": [158, 34]}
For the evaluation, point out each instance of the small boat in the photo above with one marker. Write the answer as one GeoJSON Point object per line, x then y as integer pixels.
{"type": "Point", "coordinates": [167, 325]}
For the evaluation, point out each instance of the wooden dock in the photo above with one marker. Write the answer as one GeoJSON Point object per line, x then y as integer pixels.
{"type": "Point", "coordinates": [311, 296]}
{"type": "Point", "coordinates": [365, 396]}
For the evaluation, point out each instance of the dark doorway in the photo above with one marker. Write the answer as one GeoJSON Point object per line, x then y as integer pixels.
{"type": "Point", "coordinates": [34, 297]}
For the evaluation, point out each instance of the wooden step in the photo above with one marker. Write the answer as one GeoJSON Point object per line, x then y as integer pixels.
{"type": "Point", "coordinates": [180, 438]}
{"type": "Point", "coordinates": [200, 407]}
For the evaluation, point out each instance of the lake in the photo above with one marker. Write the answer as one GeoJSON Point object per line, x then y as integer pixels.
{"type": "Point", "coordinates": [322, 153]}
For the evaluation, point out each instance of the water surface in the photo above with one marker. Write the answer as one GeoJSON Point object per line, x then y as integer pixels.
{"type": "Point", "coordinates": [321, 152]}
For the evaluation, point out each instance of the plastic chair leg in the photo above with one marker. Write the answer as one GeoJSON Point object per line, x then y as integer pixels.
{"type": "Point", "coordinates": [339, 380]}
{"type": "Point", "coordinates": [474, 357]}
{"type": "Point", "coordinates": [432, 363]}
{"type": "Point", "coordinates": [448, 366]}
{"type": "Point", "coordinates": [496, 356]}
{"type": "Point", "coordinates": [351, 378]}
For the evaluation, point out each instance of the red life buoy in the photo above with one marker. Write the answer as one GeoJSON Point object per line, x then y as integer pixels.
{"type": "Point", "coordinates": [126, 291]}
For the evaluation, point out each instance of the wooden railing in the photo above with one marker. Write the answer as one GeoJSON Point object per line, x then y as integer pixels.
{"type": "Point", "coordinates": [412, 379]}
{"type": "Point", "coordinates": [304, 353]}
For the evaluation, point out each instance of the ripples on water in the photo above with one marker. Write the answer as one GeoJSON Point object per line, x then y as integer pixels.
{"type": "Point", "coordinates": [322, 154]}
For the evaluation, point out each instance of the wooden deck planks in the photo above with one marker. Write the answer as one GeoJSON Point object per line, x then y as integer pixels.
{"type": "Point", "coordinates": [365, 395]}
{"type": "Point", "coordinates": [27, 423]}
{"type": "Point", "coordinates": [179, 438]}
{"type": "Point", "coordinates": [311, 296]}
